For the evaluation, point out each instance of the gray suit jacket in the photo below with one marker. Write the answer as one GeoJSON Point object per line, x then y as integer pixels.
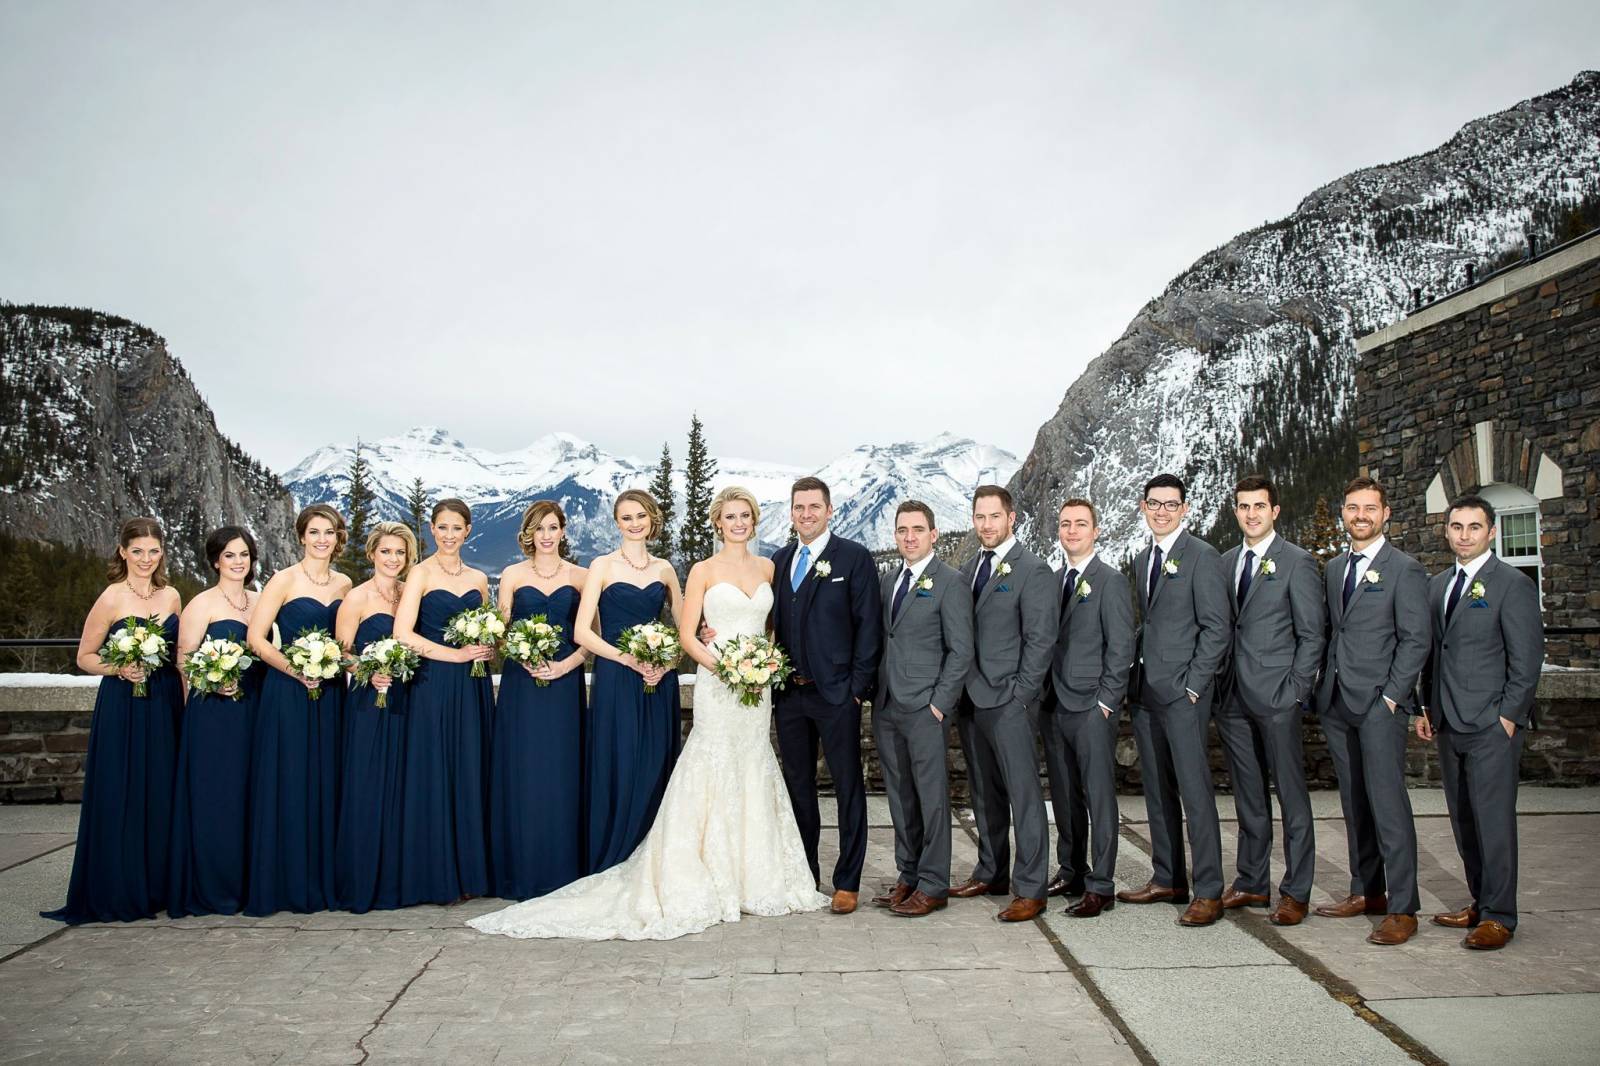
{"type": "Point", "coordinates": [927, 649]}
{"type": "Point", "coordinates": [1278, 630]}
{"type": "Point", "coordinates": [1094, 648]}
{"type": "Point", "coordinates": [1183, 632]}
{"type": "Point", "coordinates": [1486, 660]}
{"type": "Point", "coordinates": [1014, 630]}
{"type": "Point", "coordinates": [1377, 646]}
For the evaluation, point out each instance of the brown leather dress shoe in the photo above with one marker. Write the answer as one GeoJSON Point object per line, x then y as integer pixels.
{"type": "Point", "coordinates": [1465, 918]}
{"type": "Point", "coordinates": [1394, 929]}
{"type": "Point", "coordinates": [1232, 898]}
{"type": "Point", "coordinates": [919, 903]}
{"type": "Point", "coordinates": [1091, 905]}
{"type": "Point", "coordinates": [1021, 909]}
{"type": "Point", "coordinates": [844, 902]}
{"type": "Point", "coordinates": [973, 887]}
{"type": "Point", "coordinates": [1490, 935]}
{"type": "Point", "coordinates": [1290, 911]}
{"type": "Point", "coordinates": [1353, 907]}
{"type": "Point", "coordinates": [1152, 893]}
{"type": "Point", "coordinates": [1062, 886]}
{"type": "Point", "coordinates": [895, 896]}
{"type": "Point", "coordinates": [1201, 912]}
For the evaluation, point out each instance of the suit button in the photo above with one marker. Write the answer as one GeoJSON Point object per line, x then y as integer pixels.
{"type": "Point", "coordinates": [1444, 645]}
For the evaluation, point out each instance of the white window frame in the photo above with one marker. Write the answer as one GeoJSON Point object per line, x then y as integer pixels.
{"type": "Point", "coordinates": [1508, 501]}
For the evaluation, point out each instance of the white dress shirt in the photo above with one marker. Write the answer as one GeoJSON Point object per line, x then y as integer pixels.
{"type": "Point", "coordinates": [815, 547]}
{"type": "Point", "coordinates": [1471, 569]}
{"type": "Point", "coordinates": [1000, 550]}
{"type": "Point", "coordinates": [1363, 559]}
{"type": "Point", "coordinates": [1261, 553]}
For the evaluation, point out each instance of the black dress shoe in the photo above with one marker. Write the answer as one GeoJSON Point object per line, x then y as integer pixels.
{"type": "Point", "coordinates": [1061, 886]}
{"type": "Point", "coordinates": [1091, 905]}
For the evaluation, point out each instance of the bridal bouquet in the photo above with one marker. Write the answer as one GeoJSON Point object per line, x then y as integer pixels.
{"type": "Point", "coordinates": [140, 642]}
{"type": "Point", "coordinates": [217, 666]}
{"type": "Point", "coordinates": [315, 656]}
{"type": "Point", "coordinates": [751, 664]}
{"type": "Point", "coordinates": [531, 641]}
{"type": "Point", "coordinates": [476, 625]}
{"type": "Point", "coordinates": [654, 644]}
{"type": "Point", "coordinates": [386, 656]}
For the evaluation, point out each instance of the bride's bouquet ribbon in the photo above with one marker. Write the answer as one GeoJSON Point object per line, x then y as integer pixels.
{"type": "Point", "coordinates": [138, 642]}
{"type": "Point", "coordinates": [476, 625]}
{"type": "Point", "coordinates": [653, 643]}
{"type": "Point", "coordinates": [750, 665]}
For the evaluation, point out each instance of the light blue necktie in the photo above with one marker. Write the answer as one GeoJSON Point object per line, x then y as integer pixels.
{"type": "Point", "coordinates": [800, 567]}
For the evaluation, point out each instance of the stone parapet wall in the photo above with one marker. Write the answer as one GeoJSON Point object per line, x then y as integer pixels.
{"type": "Point", "coordinates": [44, 738]}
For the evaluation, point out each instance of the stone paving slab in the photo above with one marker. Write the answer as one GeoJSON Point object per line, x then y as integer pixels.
{"type": "Point", "coordinates": [1551, 1030]}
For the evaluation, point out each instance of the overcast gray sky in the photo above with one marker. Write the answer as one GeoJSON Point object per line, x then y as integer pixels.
{"type": "Point", "coordinates": [822, 224]}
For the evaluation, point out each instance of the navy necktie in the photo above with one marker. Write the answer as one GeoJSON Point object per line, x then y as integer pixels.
{"type": "Point", "coordinates": [1455, 594]}
{"type": "Point", "coordinates": [1244, 576]}
{"type": "Point", "coordinates": [982, 578]}
{"type": "Point", "coordinates": [1068, 588]}
{"type": "Point", "coordinates": [900, 595]}
{"type": "Point", "coordinates": [1350, 578]}
{"type": "Point", "coordinates": [1155, 575]}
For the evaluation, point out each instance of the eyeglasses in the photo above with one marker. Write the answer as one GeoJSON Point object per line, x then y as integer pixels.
{"type": "Point", "coordinates": [1162, 505]}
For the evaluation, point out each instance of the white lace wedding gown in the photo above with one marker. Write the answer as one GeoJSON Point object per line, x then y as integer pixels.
{"type": "Point", "coordinates": [724, 841]}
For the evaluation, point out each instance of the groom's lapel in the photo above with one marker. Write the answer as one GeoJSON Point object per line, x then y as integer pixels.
{"type": "Point", "coordinates": [808, 587]}
{"type": "Point", "coordinates": [994, 576]}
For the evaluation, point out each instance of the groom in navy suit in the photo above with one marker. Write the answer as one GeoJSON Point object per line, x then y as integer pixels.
{"type": "Point", "coordinates": [827, 616]}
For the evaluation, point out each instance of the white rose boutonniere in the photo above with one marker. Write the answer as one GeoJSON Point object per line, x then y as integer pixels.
{"type": "Point", "coordinates": [1169, 567]}
{"type": "Point", "coordinates": [1083, 589]}
{"type": "Point", "coordinates": [926, 584]}
{"type": "Point", "coordinates": [1476, 592]}
{"type": "Point", "coordinates": [1002, 570]}
{"type": "Point", "coordinates": [1373, 577]}
{"type": "Point", "coordinates": [822, 568]}
{"type": "Point", "coordinates": [1269, 567]}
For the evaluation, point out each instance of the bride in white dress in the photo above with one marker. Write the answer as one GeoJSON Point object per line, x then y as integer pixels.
{"type": "Point", "coordinates": [724, 842]}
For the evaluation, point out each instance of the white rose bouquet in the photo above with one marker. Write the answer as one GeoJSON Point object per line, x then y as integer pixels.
{"type": "Point", "coordinates": [316, 657]}
{"type": "Point", "coordinates": [533, 641]}
{"type": "Point", "coordinates": [750, 665]}
{"type": "Point", "coordinates": [476, 625]}
{"type": "Point", "coordinates": [217, 666]}
{"type": "Point", "coordinates": [654, 644]}
{"type": "Point", "coordinates": [139, 642]}
{"type": "Point", "coordinates": [389, 657]}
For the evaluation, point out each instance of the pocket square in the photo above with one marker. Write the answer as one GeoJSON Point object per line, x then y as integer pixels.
{"type": "Point", "coordinates": [922, 594]}
{"type": "Point", "coordinates": [831, 581]}
{"type": "Point", "coordinates": [1002, 588]}
{"type": "Point", "coordinates": [1477, 603]}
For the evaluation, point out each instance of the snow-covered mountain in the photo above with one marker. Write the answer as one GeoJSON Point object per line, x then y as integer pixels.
{"type": "Point", "coordinates": [1246, 362]}
{"type": "Point", "coordinates": [867, 484]}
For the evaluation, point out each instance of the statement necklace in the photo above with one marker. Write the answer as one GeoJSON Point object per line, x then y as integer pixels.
{"type": "Point", "coordinates": [392, 601]}
{"type": "Point", "coordinates": [320, 584]}
{"type": "Point", "coordinates": [147, 596]}
{"type": "Point", "coordinates": [243, 608]}
{"type": "Point", "coordinates": [641, 568]}
{"type": "Point", "coordinates": [544, 576]}
{"type": "Point", "coordinates": [457, 572]}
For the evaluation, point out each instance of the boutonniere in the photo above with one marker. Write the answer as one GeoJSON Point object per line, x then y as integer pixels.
{"type": "Point", "coordinates": [822, 568]}
{"type": "Point", "coordinates": [1269, 567]}
{"type": "Point", "coordinates": [925, 585]}
{"type": "Point", "coordinates": [1083, 589]}
{"type": "Point", "coordinates": [1373, 577]}
{"type": "Point", "coordinates": [1002, 570]}
{"type": "Point", "coordinates": [1170, 567]}
{"type": "Point", "coordinates": [1476, 592]}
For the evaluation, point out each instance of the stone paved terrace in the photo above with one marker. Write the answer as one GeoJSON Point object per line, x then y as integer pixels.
{"type": "Point", "coordinates": [1130, 987]}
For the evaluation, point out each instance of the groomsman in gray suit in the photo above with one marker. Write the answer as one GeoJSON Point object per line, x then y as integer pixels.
{"type": "Point", "coordinates": [1278, 623]}
{"type": "Point", "coordinates": [1183, 636]}
{"type": "Point", "coordinates": [1088, 680]}
{"type": "Point", "coordinates": [1488, 646]}
{"type": "Point", "coordinates": [1014, 611]}
{"type": "Point", "coordinates": [927, 651]}
{"type": "Point", "coordinates": [1378, 635]}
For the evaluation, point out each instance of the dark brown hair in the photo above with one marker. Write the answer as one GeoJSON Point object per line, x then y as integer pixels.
{"type": "Point", "coordinates": [323, 510]}
{"type": "Point", "coordinates": [908, 506]}
{"type": "Point", "coordinates": [1079, 501]}
{"type": "Point", "coordinates": [218, 542]}
{"type": "Point", "coordinates": [1256, 483]}
{"type": "Point", "coordinates": [536, 513]}
{"type": "Point", "coordinates": [811, 484]}
{"type": "Point", "coordinates": [999, 492]}
{"type": "Point", "coordinates": [132, 530]}
{"type": "Point", "coordinates": [1366, 484]}
{"type": "Point", "coordinates": [451, 504]}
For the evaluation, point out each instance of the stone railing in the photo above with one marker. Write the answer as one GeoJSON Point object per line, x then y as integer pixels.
{"type": "Point", "coordinates": [45, 719]}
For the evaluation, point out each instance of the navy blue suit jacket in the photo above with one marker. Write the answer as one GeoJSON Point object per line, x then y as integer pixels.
{"type": "Point", "coordinates": [832, 627]}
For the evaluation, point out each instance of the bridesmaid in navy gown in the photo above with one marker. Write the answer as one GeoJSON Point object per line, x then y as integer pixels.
{"type": "Point", "coordinates": [633, 735]}
{"type": "Point", "coordinates": [119, 870]}
{"type": "Point", "coordinates": [367, 859]}
{"type": "Point", "coordinates": [444, 853]}
{"type": "Point", "coordinates": [294, 749]}
{"type": "Point", "coordinates": [535, 784]}
{"type": "Point", "coordinates": [210, 824]}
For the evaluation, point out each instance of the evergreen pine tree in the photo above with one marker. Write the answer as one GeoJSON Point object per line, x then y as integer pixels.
{"type": "Point", "coordinates": [661, 489]}
{"type": "Point", "coordinates": [695, 537]}
{"type": "Point", "coordinates": [1323, 538]}
{"type": "Point", "coordinates": [417, 507]}
{"type": "Point", "coordinates": [358, 512]}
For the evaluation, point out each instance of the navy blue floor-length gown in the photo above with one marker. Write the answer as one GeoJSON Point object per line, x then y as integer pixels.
{"type": "Point", "coordinates": [444, 850]}
{"type": "Point", "coordinates": [119, 870]}
{"type": "Point", "coordinates": [633, 735]}
{"type": "Point", "coordinates": [367, 861]}
{"type": "Point", "coordinates": [210, 819]}
{"type": "Point", "coordinates": [294, 775]}
{"type": "Point", "coordinates": [536, 780]}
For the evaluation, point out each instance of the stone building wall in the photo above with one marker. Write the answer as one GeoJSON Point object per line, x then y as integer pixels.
{"type": "Point", "coordinates": [1499, 384]}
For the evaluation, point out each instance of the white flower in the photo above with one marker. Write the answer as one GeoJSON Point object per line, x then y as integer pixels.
{"type": "Point", "coordinates": [228, 662]}
{"type": "Point", "coordinates": [1084, 588]}
{"type": "Point", "coordinates": [1169, 567]}
{"type": "Point", "coordinates": [1477, 590]}
{"type": "Point", "coordinates": [823, 568]}
{"type": "Point", "coordinates": [1373, 577]}
{"type": "Point", "coordinates": [1269, 567]}
{"type": "Point", "coordinates": [213, 675]}
{"type": "Point", "coordinates": [926, 584]}
{"type": "Point", "coordinates": [125, 642]}
{"type": "Point", "coordinates": [1003, 570]}
{"type": "Point", "coordinates": [474, 629]}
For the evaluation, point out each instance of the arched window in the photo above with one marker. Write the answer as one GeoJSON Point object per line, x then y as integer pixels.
{"type": "Point", "coordinates": [1516, 538]}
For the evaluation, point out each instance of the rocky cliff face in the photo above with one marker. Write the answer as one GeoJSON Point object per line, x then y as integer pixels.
{"type": "Point", "coordinates": [1246, 362]}
{"type": "Point", "coordinates": [98, 422]}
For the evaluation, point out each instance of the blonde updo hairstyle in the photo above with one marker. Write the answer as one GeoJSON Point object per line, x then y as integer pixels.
{"type": "Point", "coordinates": [729, 495]}
{"type": "Point", "coordinates": [393, 529]}
{"type": "Point", "coordinates": [533, 517]}
{"type": "Point", "coordinates": [645, 500]}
